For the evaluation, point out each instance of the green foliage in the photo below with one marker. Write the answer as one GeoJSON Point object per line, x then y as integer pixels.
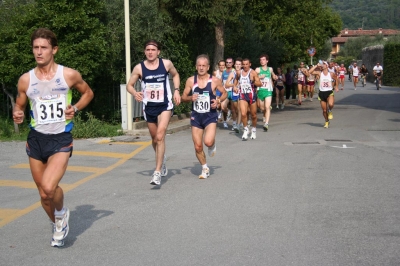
{"type": "Point", "coordinates": [346, 60]}
{"type": "Point", "coordinates": [295, 24]}
{"type": "Point", "coordinates": [93, 127]}
{"type": "Point", "coordinates": [391, 62]}
{"type": "Point", "coordinates": [368, 14]}
{"type": "Point", "coordinates": [7, 130]}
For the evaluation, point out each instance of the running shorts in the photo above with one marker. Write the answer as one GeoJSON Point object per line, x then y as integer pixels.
{"type": "Point", "coordinates": [323, 95]}
{"type": "Point", "coordinates": [41, 146]}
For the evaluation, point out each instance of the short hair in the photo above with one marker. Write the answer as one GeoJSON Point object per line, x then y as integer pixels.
{"type": "Point", "coordinates": [264, 55]}
{"type": "Point", "coordinates": [45, 34]}
{"type": "Point", "coordinates": [246, 59]}
{"type": "Point", "coordinates": [238, 59]}
{"type": "Point", "coordinates": [153, 42]}
{"type": "Point", "coordinates": [221, 61]}
{"type": "Point", "coordinates": [204, 56]}
{"type": "Point", "coordinates": [229, 58]}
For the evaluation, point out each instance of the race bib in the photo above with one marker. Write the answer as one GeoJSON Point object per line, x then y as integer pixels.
{"type": "Point", "coordinates": [50, 109]}
{"type": "Point", "coordinates": [245, 87]}
{"type": "Point", "coordinates": [202, 103]}
{"type": "Point", "coordinates": [155, 92]}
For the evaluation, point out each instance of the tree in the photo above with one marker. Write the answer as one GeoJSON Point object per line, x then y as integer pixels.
{"type": "Point", "coordinates": [215, 13]}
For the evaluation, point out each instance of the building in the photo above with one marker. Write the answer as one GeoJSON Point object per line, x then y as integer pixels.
{"type": "Point", "coordinates": [347, 34]}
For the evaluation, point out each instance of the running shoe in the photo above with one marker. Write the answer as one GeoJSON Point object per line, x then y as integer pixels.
{"type": "Point", "coordinates": [156, 178]}
{"type": "Point", "coordinates": [56, 243]}
{"type": "Point", "coordinates": [265, 127]}
{"type": "Point", "coordinates": [205, 172]}
{"type": "Point", "coordinates": [245, 133]}
{"type": "Point", "coordinates": [310, 99]}
{"type": "Point", "coordinates": [277, 106]}
{"type": "Point", "coordinates": [330, 115]}
{"type": "Point", "coordinates": [326, 125]}
{"type": "Point", "coordinates": [235, 128]}
{"type": "Point", "coordinates": [212, 150]}
{"type": "Point", "coordinates": [225, 124]}
{"type": "Point", "coordinates": [282, 107]}
{"type": "Point", "coordinates": [264, 119]}
{"type": "Point", "coordinates": [253, 134]}
{"type": "Point", "coordinates": [61, 226]}
{"type": "Point", "coordinates": [219, 114]}
{"type": "Point", "coordinates": [164, 169]}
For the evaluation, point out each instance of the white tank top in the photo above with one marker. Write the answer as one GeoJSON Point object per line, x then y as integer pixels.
{"type": "Point", "coordinates": [356, 70]}
{"type": "Point", "coordinates": [48, 101]}
{"type": "Point", "coordinates": [325, 82]}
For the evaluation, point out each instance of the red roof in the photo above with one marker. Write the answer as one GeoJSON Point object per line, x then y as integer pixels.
{"type": "Point", "coordinates": [361, 32]}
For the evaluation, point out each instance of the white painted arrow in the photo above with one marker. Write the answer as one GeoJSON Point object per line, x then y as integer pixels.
{"type": "Point", "coordinates": [343, 147]}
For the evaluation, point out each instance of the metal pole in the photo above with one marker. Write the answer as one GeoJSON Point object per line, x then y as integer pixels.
{"type": "Point", "coordinates": [128, 63]}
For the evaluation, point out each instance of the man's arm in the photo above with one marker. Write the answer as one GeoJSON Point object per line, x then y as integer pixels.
{"type": "Point", "coordinates": [21, 100]}
{"type": "Point", "coordinates": [74, 80]}
{"type": "Point", "coordinates": [130, 87]}
{"type": "Point", "coordinates": [256, 79]}
{"type": "Point", "coordinates": [175, 79]}
{"type": "Point", "coordinates": [187, 95]}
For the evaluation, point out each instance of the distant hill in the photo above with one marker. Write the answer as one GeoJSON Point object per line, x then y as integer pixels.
{"type": "Point", "coordinates": [368, 14]}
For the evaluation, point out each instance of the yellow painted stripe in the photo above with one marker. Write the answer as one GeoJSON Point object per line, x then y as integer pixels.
{"type": "Point", "coordinates": [26, 184]}
{"type": "Point", "coordinates": [15, 183]}
{"type": "Point", "coordinates": [69, 168]}
{"type": "Point", "coordinates": [69, 187]}
{"type": "Point", "coordinates": [7, 212]}
{"type": "Point", "coordinates": [101, 154]}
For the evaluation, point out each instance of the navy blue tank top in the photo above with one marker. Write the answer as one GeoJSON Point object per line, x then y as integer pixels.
{"type": "Point", "coordinates": [155, 86]}
{"type": "Point", "coordinates": [207, 89]}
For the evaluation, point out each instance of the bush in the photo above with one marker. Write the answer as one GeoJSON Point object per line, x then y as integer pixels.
{"type": "Point", "coordinates": [94, 128]}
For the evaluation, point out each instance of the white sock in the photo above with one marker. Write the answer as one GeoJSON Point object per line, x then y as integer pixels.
{"type": "Point", "coordinates": [253, 129]}
{"type": "Point", "coordinates": [59, 213]}
{"type": "Point", "coordinates": [204, 166]}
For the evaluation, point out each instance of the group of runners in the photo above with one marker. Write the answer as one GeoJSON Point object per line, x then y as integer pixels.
{"type": "Point", "coordinates": [48, 90]}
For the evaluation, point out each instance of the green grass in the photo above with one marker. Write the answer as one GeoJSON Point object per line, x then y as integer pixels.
{"type": "Point", "coordinates": [90, 127]}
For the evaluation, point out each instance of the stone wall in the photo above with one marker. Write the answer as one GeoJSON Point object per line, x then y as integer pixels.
{"type": "Point", "coordinates": [370, 56]}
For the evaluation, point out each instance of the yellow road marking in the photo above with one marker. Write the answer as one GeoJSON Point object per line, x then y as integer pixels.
{"type": "Point", "coordinates": [69, 168]}
{"type": "Point", "coordinates": [15, 183]}
{"type": "Point", "coordinates": [7, 212]}
{"type": "Point", "coordinates": [66, 188]}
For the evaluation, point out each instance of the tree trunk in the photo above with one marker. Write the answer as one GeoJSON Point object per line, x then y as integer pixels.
{"type": "Point", "coordinates": [16, 128]}
{"type": "Point", "coordinates": [219, 43]}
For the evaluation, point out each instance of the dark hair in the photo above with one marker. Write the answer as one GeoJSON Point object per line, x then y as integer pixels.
{"type": "Point", "coordinates": [246, 59]}
{"type": "Point", "coordinates": [153, 42]}
{"type": "Point", "coordinates": [221, 61]}
{"type": "Point", "coordinates": [264, 55]}
{"type": "Point", "coordinates": [45, 34]}
{"type": "Point", "coordinates": [238, 59]}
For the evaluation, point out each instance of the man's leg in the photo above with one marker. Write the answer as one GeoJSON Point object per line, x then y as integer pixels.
{"type": "Point", "coordinates": [325, 113]}
{"type": "Point", "coordinates": [157, 133]}
{"type": "Point", "coordinates": [224, 107]}
{"type": "Point", "coordinates": [47, 177]}
{"type": "Point", "coordinates": [299, 92]}
{"type": "Point", "coordinates": [267, 105]}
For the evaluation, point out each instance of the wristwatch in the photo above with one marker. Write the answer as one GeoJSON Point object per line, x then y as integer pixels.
{"type": "Point", "coordinates": [76, 110]}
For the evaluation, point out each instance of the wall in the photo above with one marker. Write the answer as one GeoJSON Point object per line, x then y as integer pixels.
{"type": "Point", "coordinates": [370, 56]}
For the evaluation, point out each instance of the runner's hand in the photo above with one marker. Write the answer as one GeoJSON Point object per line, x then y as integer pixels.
{"type": "Point", "coordinates": [69, 112]}
{"type": "Point", "coordinates": [18, 117]}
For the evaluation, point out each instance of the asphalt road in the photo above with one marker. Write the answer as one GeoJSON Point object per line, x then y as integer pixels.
{"type": "Point", "coordinates": [299, 194]}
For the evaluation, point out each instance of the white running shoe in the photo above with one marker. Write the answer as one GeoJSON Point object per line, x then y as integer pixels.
{"type": "Point", "coordinates": [205, 172]}
{"type": "Point", "coordinates": [61, 226]}
{"type": "Point", "coordinates": [225, 124]}
{"type": "Point", "coordinates": [282, 107]}
{"type": "Point", "coordinates": [164, 169]}
{"type": "Point", "coordinates": [253, 134]}
{"type": "Point", "coordinates": [264, 119]}
{"type": "Point", "coordinates": [245, 133]}
{"type": "Point", "coordinates": [212, 150]}
{"type": "Point", "coordinates": [156, 179]}
{"type": "Point", "coordinates": [55, 243]}
{"type": "Point", "coordinates": [219, 114]}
